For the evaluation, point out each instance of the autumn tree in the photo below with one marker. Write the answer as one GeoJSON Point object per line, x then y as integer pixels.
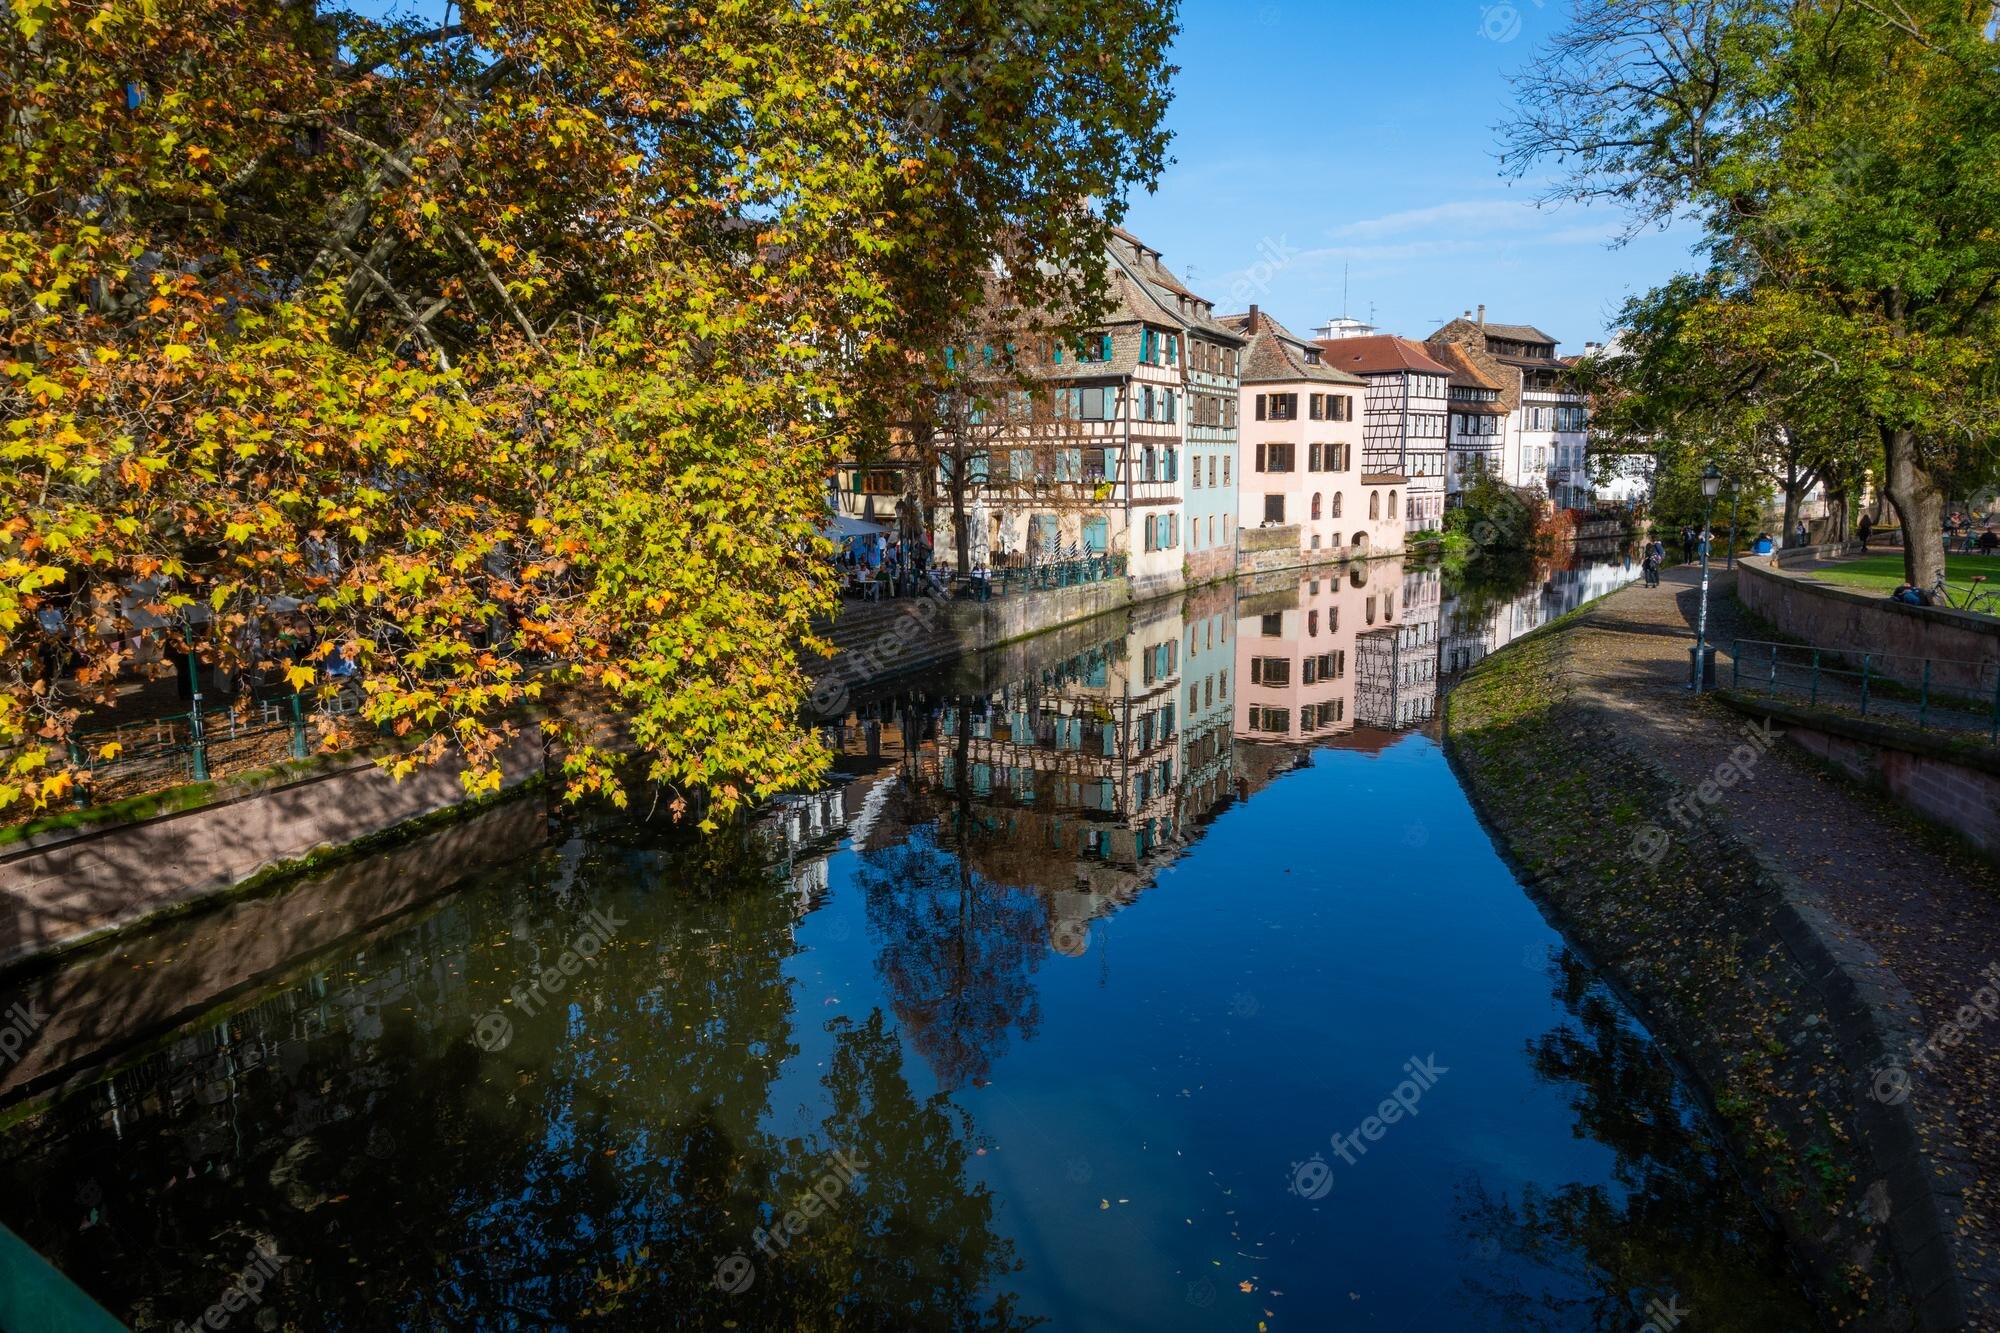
{"type": "Point", "coordinates": [1844, 162]}
{"type": "Point", "coordinates": [523, 340]}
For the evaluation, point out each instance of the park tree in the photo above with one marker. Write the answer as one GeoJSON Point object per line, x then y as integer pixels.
{"type": "Point", "coordinates": [1843, 161]}
{"type": "Point", "coordinates": [527, 338]}
{"type": "Point", "coordinates": [1693, 382]}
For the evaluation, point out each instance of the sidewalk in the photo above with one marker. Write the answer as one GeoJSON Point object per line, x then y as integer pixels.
{"type": "Point", "coordinates": [1925, 904]}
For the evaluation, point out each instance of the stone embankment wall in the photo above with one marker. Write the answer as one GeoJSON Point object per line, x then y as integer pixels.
{"type": "Point", "coordinates": [59, 889]}
{"type": "Point", "coordinates": [98, 1001]}
{"type": "Point", "coordinates": [1965, 647]}
{"type": "Point", "coordinates": [1955, 784]}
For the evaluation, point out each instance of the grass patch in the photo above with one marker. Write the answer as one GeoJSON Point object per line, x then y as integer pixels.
{"type": "Point", "coordinates": [1884, 573]}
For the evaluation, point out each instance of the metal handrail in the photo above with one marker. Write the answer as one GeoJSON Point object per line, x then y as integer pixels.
{"type": "Point", "coordinates": [1878, 678]}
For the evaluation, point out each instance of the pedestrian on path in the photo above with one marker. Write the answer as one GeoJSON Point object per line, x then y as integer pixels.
{"type": "Point", "coordinates": [1867, 527]}
{"type": "Point", "coordinates": [1687, 545]}
{"type": "Point", "coordinates": [1801, 533]}
{"type": "Point", "coordinates": [1651, 566]}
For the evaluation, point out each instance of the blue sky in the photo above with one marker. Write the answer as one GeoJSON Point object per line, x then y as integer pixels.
{"type": "Point", "coordinates": [1358, 132]}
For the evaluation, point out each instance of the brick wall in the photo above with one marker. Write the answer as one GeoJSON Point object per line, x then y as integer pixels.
{"type": "Point", "coordinates": [1963, 799]}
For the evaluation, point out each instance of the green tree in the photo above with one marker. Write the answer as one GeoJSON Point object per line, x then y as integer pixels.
{"type": "Point", "coordinates": [531, 337]}
{"type": "Point", "coordinates": [1844, 162]}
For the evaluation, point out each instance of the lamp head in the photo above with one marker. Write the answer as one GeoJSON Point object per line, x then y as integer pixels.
{"type": "Point", "coordinates": [1711, 481]}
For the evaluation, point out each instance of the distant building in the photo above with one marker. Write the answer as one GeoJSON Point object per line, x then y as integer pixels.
{"type": "Point", "coordinates": [1403, 429]}
{"type": "Point", "coordinates": [1475, 437]}
{"type": "Point", "coordinates": [1300, 446]}
{"type": "Point", "coordinates": [1545, 442]}
{"type": "Point", "coordinates": [1098, 455]}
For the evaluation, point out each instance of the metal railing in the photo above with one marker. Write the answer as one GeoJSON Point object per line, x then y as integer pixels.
{"type": "Point", "coordinates": [1931, 692]}
{"type": "Point", "coordinates": [180, 746]}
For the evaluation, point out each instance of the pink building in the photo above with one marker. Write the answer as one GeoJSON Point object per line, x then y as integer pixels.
{"type": "Point", "coordinates": [1301, 448]}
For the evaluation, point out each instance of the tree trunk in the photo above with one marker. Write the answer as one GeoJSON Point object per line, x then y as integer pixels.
{"type": "Point", "coordinates": [961, 522]}
{"type": "Point", "coordinates": [1917, 502]}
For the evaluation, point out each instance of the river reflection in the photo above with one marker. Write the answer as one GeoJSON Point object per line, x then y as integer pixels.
{"type": "Point", "coordinates": [1054, 995]}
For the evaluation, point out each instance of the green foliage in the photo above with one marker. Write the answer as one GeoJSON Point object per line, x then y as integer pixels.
{"type": "Point", "coordinates": [1844, 161]}
{"type": "Point", "coordinates": [533, 338]}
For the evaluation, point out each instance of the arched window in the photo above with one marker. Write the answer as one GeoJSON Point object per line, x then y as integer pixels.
{"type": "Point", "coordinates": [1336, 504]}
{"type": "Point", "coordinates": [1312, 623]}
{"type": "Point", "coordinates": [1315, 510]}
{"type": "Point", "coordinates": [1374, 504]}
{"type": "Point", "coordinates": [1392, 504]}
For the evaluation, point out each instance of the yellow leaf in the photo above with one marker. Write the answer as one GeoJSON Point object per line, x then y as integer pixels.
{"type": "Point", "coordinates": [298, 677]}
{"type": "Point", "coordinates": [110, 750]}
{"type": "Point", "coordinates": [179, 352]}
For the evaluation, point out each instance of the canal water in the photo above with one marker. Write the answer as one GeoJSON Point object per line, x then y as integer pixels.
{"type": "Point", "coordinates": [1155, 975]}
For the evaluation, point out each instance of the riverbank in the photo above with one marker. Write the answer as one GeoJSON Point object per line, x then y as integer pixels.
{"type": "Point", "coordinates": [1790, 936]}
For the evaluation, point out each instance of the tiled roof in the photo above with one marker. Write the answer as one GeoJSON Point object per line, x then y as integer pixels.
{"type": "Point", "coordinates": [1378, 354]}
{"type": "Point", "coordinates": [1464, 374]}
{"type": "Point", "coordinates": [1523, 333]}
{"type": "Point", "coordinates": [1276, 355]}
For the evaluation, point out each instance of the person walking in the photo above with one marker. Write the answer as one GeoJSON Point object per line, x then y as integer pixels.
{"type": "Point", "coordinates": [1687, 545]}
{"type": "Point", "coordinates": [1800, 532]}
{"type": "Point", "coordinates": [1650, 567]}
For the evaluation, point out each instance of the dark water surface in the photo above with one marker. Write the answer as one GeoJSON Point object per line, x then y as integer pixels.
{"type": "Point", "coordinates": [1057, 996]}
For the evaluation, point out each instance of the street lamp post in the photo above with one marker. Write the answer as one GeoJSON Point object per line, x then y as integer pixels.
{"type": "Point", "coordinates": [1711, 485]}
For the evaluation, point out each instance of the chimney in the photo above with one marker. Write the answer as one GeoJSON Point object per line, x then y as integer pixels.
{"type": "Point", "coordinates": [1250, 325]}
{"type": "Point", "coordinates": [1482, 314]}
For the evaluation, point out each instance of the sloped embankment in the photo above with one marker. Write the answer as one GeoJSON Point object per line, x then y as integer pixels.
{"type": "Point", "coordinates": [1717, 958]}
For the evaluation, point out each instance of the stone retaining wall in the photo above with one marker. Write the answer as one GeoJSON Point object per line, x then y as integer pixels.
{"type": "Point", "coordinates": [58, 890]}
{"type": "Point", "coordinates": [1951, 784]}
{"type": "Point", "coordinates": [1858, 623]}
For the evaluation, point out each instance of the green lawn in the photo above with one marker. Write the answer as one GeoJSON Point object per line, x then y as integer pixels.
{"type": "Point", "coordinates": [1882, 573]}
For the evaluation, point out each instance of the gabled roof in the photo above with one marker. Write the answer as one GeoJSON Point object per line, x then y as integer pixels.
{"type": "Point", "coordinates": [1462, 327]}
{"type": "Point", "coordinates": [1526, 333]}
{"type": "Point", "coordinates": [1150, 291]}
{"type": "Point", "coordinates": [1379, 354]}
{"type": "Point", "coordinates": [1276, 355]}
{"type": "Point", "coordinates": [1464, 374]}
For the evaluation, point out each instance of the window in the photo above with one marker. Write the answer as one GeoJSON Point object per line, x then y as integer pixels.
{"type": "Point", "coordinates": [1211, 529]}
{"type": "Point", "coordinates": [1340, 407]}
{"type": "Point", "coordinates": [1211, 469]}
{"type": "Point", "coordinates": [1274, 509]}
{"type": "Point", "coordinates": [1315, 506]}
{"type": "Point", "coordinates": [1336, 504]}
{"type": "Point", "coordinates": [1374, 504]}
{"type": "Point", "coordinates": [1312, 630]}
{"type": "Point", "coordinates": [1272, 625]}
{"type": "Point", "coordinates": [1194, 474]}
{"type": "Point", "coordinates": [1271, 671]}
{"type": "Point", "coordinates": [1277, 721]}
{"type": "Point", "coordinates": [1392, 504]}
{"type": "Point", "coordinates": [1146, 403]}
{"type": "Point", "coordinates": [1275, 456]}
{"type": "Point", "coordinates": [1225, 469]}
{"type": "Point", "coordinates": [1284, 407]}
{"type": "Point", "coordinates": [1172, 412]}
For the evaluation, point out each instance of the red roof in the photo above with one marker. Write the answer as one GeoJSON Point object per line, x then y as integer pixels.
{"type": "Point", "coordinates": [1378, 354]}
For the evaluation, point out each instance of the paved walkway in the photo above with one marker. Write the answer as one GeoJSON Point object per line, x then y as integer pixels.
{"type": "Point", "coordinates": [1926, 904]}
